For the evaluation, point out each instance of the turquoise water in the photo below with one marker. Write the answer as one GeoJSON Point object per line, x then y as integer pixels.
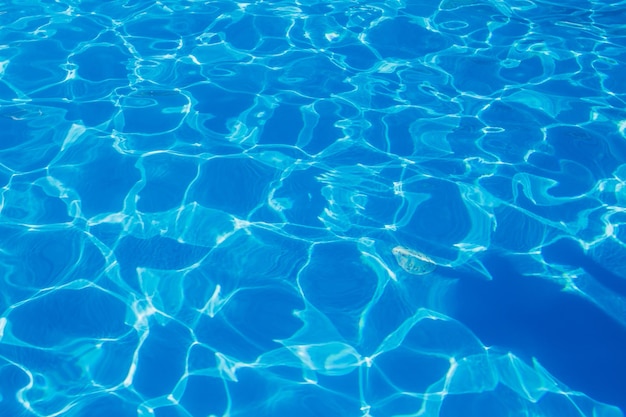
{"type": "Point", "coordinates": [393, 208]}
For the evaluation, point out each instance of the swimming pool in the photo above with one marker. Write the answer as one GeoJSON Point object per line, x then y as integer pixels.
{"type": "Point", "coordinates": [394, 208]}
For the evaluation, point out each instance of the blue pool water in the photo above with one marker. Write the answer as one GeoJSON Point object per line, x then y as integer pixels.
{"type": "Point", "coordinates": [298, 208]}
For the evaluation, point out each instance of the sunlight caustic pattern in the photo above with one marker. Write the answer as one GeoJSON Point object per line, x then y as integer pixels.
{"type": "Point", "coordinates": [232, 209]}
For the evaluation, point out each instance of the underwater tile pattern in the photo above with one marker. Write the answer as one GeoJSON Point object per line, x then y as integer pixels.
{"type": "Point", "coordinates": [302, 208]}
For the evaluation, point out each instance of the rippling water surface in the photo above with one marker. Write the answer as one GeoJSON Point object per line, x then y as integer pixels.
{"type": "Point", "coordinates": [293, 208]}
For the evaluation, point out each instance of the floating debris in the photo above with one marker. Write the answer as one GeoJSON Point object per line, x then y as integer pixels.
{"type": "Point", "coordinates": [413, 262]}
